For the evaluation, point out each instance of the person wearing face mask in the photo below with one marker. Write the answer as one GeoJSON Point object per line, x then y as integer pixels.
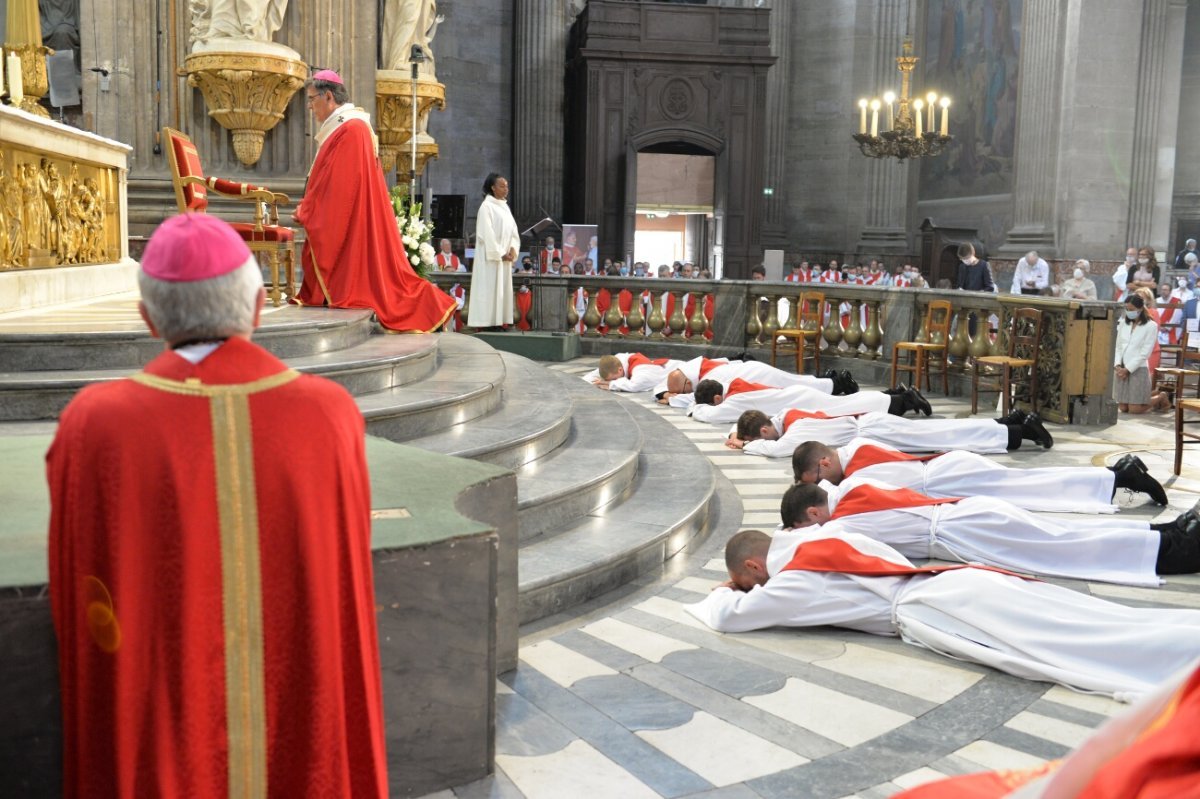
{"type": "Point", "coordinates": [623, 270]}
{"type": "Point", "coordinates": [1173, 312]}
{"type": "Point", "coordinates": [1121, 275]}
{"type": "Point", "coordinates": [1136, 336]}
{"type": "Point", "coordinates": [1078, 286]}
{"type": "Point", "coordinates": [1148, 274]}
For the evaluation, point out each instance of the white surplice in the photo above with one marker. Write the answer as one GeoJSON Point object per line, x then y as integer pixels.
{"type": "Point", "coordinates": [985, 436]}
{"type": "Point", "coordinates": [1050, 489]}
{"type": "Point", "coordinates": [750, 371]}
{"type": "Point", "coordinates": [1026, 628]}
{"type": "Point", "coordinates": [773, 400]}
{"type": "Point", "coordinates": [645, 377]}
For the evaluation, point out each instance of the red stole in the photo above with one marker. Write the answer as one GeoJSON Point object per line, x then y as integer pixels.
{"type": "Point", "coordinates": [795, 415]}
{"type": "Point", "coordinates": [869, 498]}
{"type": "Point", "coordinates": [445, 261]}
{"type": "Point", "coordinates": [637, 359]}
{"type": "Point", "coordinates": [353, 257]}
{"type": "Point", "coordinates": [836, 555]}
{"type": "Point", "coordinates": [872, 455]}
{"type": "Point", "coordinates": [740, 386]}
{"type": "Point", "coordinates": [707, 366]}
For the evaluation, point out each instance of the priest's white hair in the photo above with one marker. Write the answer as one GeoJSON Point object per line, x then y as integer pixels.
{"type": "Point", "coordinates": [216, 308]}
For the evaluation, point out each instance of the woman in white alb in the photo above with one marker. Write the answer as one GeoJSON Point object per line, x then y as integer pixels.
{"type": "Point", "coordinates": [496, 243]}
{"type": "Point", "coordinates": [1136, 334]}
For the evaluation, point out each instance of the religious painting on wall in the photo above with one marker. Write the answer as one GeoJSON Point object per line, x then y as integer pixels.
{"type": "Point", "coordinates": [971, 53]}
{"type": "Point", "coordinates": [580, 242]}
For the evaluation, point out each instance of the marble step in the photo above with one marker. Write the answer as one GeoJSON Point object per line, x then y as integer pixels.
{"type": "Point", "coordinates": [666, 506]}
{"type": "Point", "coordinates": [377, 363]}
{"type": "Point", "coordinates": [115, 339]}
{"type": "Point", "coordinates": [532, 419]}
{"type": "Point", "coordinates": [466, 384]}
{"type": "Point", "coordinates": [595, 466]}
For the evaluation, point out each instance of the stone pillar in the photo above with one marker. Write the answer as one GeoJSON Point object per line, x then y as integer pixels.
{"type": "Point", "coordinates": [886, 199]}
{"type": "Point", "coordinates": [779, 78]}
{"type": "Point", "coordinates": [1151, 181]}
{"type": "Point", "coordinates": [1035, 217]}
{"type": "Point", "coordinates": [539, 53]}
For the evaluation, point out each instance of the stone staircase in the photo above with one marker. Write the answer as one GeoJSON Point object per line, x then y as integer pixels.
{"type": "Point", "coordinates": [606, 490]}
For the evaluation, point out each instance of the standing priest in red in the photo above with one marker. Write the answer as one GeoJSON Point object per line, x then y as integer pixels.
{"type": "Point", "coordinates": [353, 257]}
{"type": "Point", "coordinates": [210, 576]}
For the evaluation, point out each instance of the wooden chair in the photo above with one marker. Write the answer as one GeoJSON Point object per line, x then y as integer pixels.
{"type": "Point", "coordinates": [937, 335]}
{"type": "Point", "coordinates": [808, 332]}
{"type": "Point", "coordinates": [263, 235]}
{"type": "Point", "coordinates": [1192, 405]}
{"type": "Point", "coordinates": [1019, 367]}
{"type": "Point", "coordinates": [1176, 380]}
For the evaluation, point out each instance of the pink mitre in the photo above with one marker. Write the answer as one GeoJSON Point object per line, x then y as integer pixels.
{"type": "Point", "coordinates": [329, 76]}
{"type": "Point", "coordinates": [192, 247]}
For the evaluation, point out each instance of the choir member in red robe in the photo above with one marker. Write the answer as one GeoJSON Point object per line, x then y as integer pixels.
{"type": "Point", "coordinates": [353, 257]}
{"type": "Point", "coordinates": [210, 576]}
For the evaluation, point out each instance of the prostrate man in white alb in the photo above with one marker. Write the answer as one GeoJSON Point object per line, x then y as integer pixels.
{"type": "Point", "coordinates": [1023, 627]}
{"type": "Point", "coordinates": [1032, 275]}
{"type": "Point", "coordinates": [630, 371]}
{"type": "Point", "coordinates": [716, 404]}
{"type": "Point", "coordinates": [676, 390]}
{"type": "Point", "coordinates": [779, 435]}
{"type": "Point", "coordinates": [959, 473]}
{"type": "Point", "coordinates": [997, 533]}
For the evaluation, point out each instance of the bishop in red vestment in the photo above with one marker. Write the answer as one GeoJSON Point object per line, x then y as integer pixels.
{"type": "Point", "coordinates": [353, 256]}
{"type": "Point", "coordinates": [210, 578]}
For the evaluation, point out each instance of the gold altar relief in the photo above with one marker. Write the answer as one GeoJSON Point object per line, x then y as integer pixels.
{"type": "Point", "coordinates": [393, 103]}
{"type": "Point", "coordinates": [56, 212]}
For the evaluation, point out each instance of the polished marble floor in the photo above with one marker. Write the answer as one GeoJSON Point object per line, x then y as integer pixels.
{"type": "Point", "coordinates": [631, 697]}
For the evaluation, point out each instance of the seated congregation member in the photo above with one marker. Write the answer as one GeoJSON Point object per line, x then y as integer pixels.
{"type": "Point", "coordinates": [353, 256]}
{"type": "Point", "coordinates": [717, 404]}
{"type": "Point", "coordinates": [818, 577]}
{"type": "Point", "coordinates": [676, 390]}
{"type": "Point", "coordinates": [629, 371]}
{"type": "Point", "coordinates": [997, 533]}
{"type": "Point", "coordinates": [958, 473]}
{"type": "Point", "coordinates": [779, 435]}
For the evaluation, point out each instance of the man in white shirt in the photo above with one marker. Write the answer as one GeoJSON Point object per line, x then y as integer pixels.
{"type": "Point", "coordinates": [1032, 275]}
{"type": "Point", "coordinates": [1030, 629]}
{"type": "Point", "coordinates": [959, 473]}
{"type": "Point", "coordinates": [1121, 274]}
{"type": "Point", "coordinates": [997, 533]}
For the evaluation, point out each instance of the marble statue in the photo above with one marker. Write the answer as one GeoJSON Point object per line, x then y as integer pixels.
{"type": "Point", "coordinates": [405, 23]}
{"type": "Point", "coordinates": [248, 20]}
{"type": "Point", "coordinates": [60, 23]}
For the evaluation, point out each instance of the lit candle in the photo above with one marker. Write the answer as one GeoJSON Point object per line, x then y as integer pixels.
{"type": "Point", "coordinates": [1, 74]}
{"type": "Point", "coordinates": [889, 98]}
{"type": "Point", "coordinates": [16, 84]}
{"type": "Point", "coordinates": [874, 118]}
{"type": "Point", "coordinates": [862, 116]}
{"type": "Point", "coordinates": [945, 103]}
{"type": "Point", "coordinates": [931, 109]}
{"type": "Point", "coordinates": [917, 106]}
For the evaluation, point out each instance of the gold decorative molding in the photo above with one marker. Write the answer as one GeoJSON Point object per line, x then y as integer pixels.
{"type": "Point", "coordinates": [56, 211]}
{"type": "Point", "coordinates": [33, 75]}
{"type": "Point", "coordinates": [247, 93]}
{"type": "Point", "coordinates": [394, 106]}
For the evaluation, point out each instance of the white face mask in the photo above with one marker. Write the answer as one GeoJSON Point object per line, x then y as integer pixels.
{"type": "Point", "coordinates": [1143, 261]}
{"type": "Point", "coordinates": [1129, 259]}
{"type": "Point", "coordinates": [1078, 274]}
{"type": "Point", "coordinates": [1182, 282]}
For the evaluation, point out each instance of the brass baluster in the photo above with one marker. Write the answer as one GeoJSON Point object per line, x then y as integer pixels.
{"type": "Point", "coordinates": [612, 317]}
{"type": "Point", "coordinates": [923, 335]}
{"type": "Point", "coordinates": [636, 320]}
{"type": "Point", "coordinates": [753, 323]}
{"type": "Point", "coordinates": [981, 342]}
{"type": "Point", "coordinates": [591, 316]}
{"type": "Point", "coordinates": [793, 306]}
{"type": "Point", "coordinates": [772, 324]}
{"type": "Point", "coordinates": [698, 323]}
{"type": "Point", "coordinates": [656, 323]}
{"type": "Point", "coordinates": [833, 326]}
{"type": "Point", "coordinates": [873, 335]}
{"type": "Point", "coordinates": [1000, 345]}
{"type": "Point", "coordinates": [677, 322]}
{"type": "Point", "coordinates": [959, 341]}
{"type": "Point", "coordinates": [854, 333]}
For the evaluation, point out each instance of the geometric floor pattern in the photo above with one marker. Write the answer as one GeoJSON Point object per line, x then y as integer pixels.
{"type": "Point", "coordinates": [631, 697]}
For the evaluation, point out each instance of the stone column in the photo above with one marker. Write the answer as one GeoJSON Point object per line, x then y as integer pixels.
{"type": "Point", "coordinates": [539, 55]}
{"type": "Point", "coordinates": [886, 200]}
{"type": "Point", "coordinates": [1035, 217]}
{"type": "Point", "coordinates": [1151, 180]}
{"type": "Point", "coordinates": [778, 80]}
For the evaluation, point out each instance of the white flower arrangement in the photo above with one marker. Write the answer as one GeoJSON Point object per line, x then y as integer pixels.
{"type": "Point", "coordinates": [414, 232]}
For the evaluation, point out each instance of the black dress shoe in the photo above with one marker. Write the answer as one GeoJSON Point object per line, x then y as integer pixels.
{"type": "Point", "coordinates": [1034, 430]}
{"type": "Point", "coordinates": [830, 374]}
{"type": "Point", "coordinates": [919, 403]}
{"type": "Point", "coordinates": [848, 382]}
{"type": "Point", "coordinates": [1134, 476]}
